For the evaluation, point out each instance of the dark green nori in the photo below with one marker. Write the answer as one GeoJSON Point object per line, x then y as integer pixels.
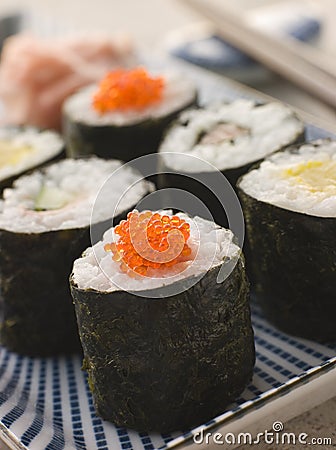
{"type": "Point", "coordinates": [7, 182]}
{"type": "Point", "coordinates": [113, 141]}
{"type": "Point", "coordinates": [171, 178]}
{"type": "Point", "coordinates": [167, 363]}
{"type": "Point", "coordinates": [38, 315]}
{"type": "Point", "coordinates": [292, 257]}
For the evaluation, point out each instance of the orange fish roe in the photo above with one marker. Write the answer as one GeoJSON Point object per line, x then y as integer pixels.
{"type": "Point", "coordinates": [150, 240]}
{"type": "Point", "coordinates": [123, 90]}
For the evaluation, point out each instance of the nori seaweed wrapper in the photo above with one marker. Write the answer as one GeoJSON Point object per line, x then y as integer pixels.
{"type": "Point", "coordinates": [292, 257]}
{"type": "Point", "coordinates": [38, 315]}
{"type": "Point", "coordinates": [167, 363]}
{"type": "Point", "coordinates": [125, 142]}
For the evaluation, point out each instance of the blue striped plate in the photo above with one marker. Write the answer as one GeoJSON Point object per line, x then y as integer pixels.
{"type": "Point", "coordinates": [46, 403]}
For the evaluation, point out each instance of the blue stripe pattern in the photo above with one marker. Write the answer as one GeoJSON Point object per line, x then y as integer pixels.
{"type": "Point", "coordinates": [11, 386]}
{"type": "Point", "coordinates": [34, 429]}
{"type": "Point", "coordinates": [58, 439]}
{"type": "Point", "coordinates": [76, 419]}
{"type": "Point", "coordinates": [96, 422]}
{"type": "Point", "coordinates": [16, 412]}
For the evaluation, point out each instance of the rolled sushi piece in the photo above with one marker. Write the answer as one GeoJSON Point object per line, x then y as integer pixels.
{"type": "Point", "coordinates": [24, 148]}
{"type": "Point", "coordinates": [124, 116]}
{"type": "Point", "coordinates": [289, 204]}
{"type": "Point", "coordinates": [225, 137]}
{"type": "Point", "coordinates": [44, 226]}
{"type": "Point", "coordinates": [167, 340]}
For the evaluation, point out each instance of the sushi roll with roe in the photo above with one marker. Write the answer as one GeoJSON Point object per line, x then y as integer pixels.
{"type": "Point", "coordinates": [125, 115]}
{"type": "Point", "coordinates": [44, 226]}
{"type": "Point", "coordinates": [289, 204]}
{"type": "Point", "coordinates": [162, 304]}
{"type": "Point", "coordinates": [223, 137]}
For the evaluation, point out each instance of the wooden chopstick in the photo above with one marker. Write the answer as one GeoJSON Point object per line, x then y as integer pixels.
{"type": "Point", "coordinates": [310, 54]}
{"type": "Point", "coordinates": [293, 60]}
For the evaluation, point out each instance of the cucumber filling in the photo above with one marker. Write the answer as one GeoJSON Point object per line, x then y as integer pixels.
{"type": "Point", "coordinates": [51, 198]}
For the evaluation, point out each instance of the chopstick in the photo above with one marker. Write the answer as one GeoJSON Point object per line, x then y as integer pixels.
{"type": "Point", "coordinates": [294, 61]}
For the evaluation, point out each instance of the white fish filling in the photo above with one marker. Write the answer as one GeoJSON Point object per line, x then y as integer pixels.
{"type": "Point", "coordinates": [23, 149]}
{"type": "Point", "coordinates": [304, 182]}
{"type": "Point", "coordinates": [177, 93]}
{"type": "Point", "coordinates": [210, 245]}
{"type": "Point", "coordinates": [71, 187]}
{"type": "Point", "coordinates": [266, 128]}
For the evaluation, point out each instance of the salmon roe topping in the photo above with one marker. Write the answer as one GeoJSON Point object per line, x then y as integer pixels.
{"type": "Point", "coordinates": [123, 90]}
{"type": "Point", "coordinates": [150, 240]}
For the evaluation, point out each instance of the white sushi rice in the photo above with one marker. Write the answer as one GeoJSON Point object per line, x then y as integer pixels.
{"type": "Point", "coordinates": [269, 128]}
{"type": "Point", "coordinates": [79, 181]}
{"type": "Point", "coordinates": [210, 245]}
{"type": "Point", "coordinates": [177, 93]}
{"type": "Point", "coordinates": [45, 145]}
{"type": "Point", "coordinates": [269, 183]}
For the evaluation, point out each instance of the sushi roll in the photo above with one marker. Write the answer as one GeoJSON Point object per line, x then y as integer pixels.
{"type": "Point", "coordinates": [44, 226]}
{"type": "Point", "coordinates": [125, 115]}
{"type": "Point", "coordinates": [225, 137]}
{"type": "Point", "coordinates": [289, 204]}
{"type": "Point", "coordinates": [25, 148]}
{"type": "Point", "coordinates": [167, 339]}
